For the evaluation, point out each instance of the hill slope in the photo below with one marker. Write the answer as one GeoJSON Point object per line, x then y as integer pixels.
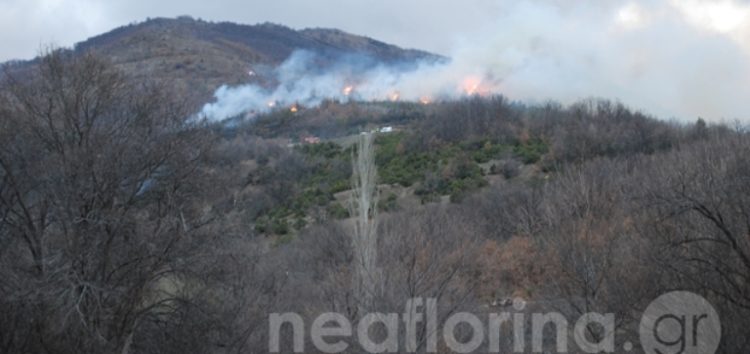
{"type": "Point", "coordinates": [198, 56]}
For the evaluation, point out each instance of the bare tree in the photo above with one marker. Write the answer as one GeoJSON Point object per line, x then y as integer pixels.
{"type": "Point", "coordinates": [363, 206]}
{"type": "Point", "coordinates": [699, 211]}
{"type": "Point", "coordinates": [432, 254]}
{"type": "Point", "coordinates": [595, 260]}
{"type": "Point", "coordinates": [98, 183]}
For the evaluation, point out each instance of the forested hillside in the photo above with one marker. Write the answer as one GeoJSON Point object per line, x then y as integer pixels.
{"type": "Point", "coordinates": [125, 228]}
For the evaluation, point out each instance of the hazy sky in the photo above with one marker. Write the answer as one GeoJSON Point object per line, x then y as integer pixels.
{"type": "Point", "coordinates": [674, 58]}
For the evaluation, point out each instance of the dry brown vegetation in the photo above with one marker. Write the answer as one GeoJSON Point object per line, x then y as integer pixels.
{"type": "Point", "coordinates": [194, 57]}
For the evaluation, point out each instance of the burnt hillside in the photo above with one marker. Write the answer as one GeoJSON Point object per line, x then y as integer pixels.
{"type": "Point", "coordinates": [196, 56]}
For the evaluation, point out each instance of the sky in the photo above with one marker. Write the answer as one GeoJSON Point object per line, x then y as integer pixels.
{"type": "Point", "coordinates": [672, 58]}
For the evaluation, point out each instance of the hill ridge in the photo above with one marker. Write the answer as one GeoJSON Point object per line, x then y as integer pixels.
{"type": "Point", "coordinates": [198, 56]}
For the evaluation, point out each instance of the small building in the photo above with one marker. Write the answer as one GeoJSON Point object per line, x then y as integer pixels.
{"type": "Point", "coordinates": [387, 129]}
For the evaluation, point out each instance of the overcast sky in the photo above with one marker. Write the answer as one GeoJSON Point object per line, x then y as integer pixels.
{"type": "Point", "coordinates": [673, 58]}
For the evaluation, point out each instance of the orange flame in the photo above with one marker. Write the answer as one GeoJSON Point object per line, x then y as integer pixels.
{"type": "Point", "coordinates": [470, 85]}
{"type": "Point", "coordinates": [293, 108]}
{"type": "Point", "coordinates": [474, 86]}
{"type": "Point", "coordinates": [348, 90]}
{"type": "Point", "coordinates": [425, 100]}
{"type": "Point", "coordinates": [394, 96]}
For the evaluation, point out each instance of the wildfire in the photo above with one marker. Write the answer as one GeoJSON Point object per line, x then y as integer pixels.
{"type": "Point", "coordinates": [471, 86]}
{"type": "Point", "coordinates": [348, 90]}
{"type": "Point", "coordinates": [394, 96]}
{"type": "Point", "coordinates": [271, 104]}
{"type": "Point", "coordinates": [293, 108]}
{"type": "Point", "coordinates": [425, 100]}
{"type": "Point", "coordinates": [474, 86]}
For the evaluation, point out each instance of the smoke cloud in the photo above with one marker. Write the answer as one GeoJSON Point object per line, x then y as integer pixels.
{"type": "Point", "coordinates": [301, 81]}
{"type": "Point", "coordinates": [674, 59]}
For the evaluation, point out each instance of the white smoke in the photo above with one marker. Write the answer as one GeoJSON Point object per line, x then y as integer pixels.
{"type": "Point", "coordinates": [671, 58]}
{"type": "Point", "coordinates": [300, 81]}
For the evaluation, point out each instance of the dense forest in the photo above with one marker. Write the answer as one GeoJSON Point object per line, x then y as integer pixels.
{"type": "Point", "coordinates": [126, 227]}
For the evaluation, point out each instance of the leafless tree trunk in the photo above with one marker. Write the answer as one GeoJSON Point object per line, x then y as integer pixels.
{"type": "Point", "coordinates": [363, 206]}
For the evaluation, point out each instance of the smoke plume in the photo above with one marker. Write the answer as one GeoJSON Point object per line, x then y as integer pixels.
{"type": "Point", "coordinates": [674, 59]}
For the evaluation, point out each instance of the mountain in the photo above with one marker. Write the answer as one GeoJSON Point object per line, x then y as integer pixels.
{"type": "Point", "coordinates": [198, 56]}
